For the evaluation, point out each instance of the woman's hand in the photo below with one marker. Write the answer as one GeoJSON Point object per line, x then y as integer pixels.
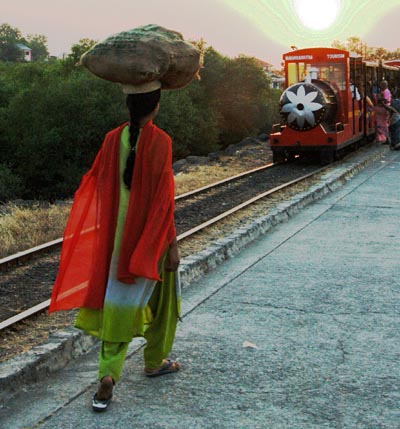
{"type": "Point", "coordinates": [172, 260]}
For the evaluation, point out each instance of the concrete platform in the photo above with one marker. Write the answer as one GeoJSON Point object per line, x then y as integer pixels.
{"type": "Point", "coordinates": [300, 330]}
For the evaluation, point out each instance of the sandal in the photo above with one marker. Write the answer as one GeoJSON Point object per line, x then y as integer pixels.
{"type": "Point", "coordinates": [167, 367]}
{"type": "Point", "coordinates": [100, 404]}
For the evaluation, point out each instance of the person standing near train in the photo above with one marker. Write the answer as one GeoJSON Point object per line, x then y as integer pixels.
{"type": "Point", "coordinates": [382, 120]}
{"type": "Point", "coordinates": [385, 92]}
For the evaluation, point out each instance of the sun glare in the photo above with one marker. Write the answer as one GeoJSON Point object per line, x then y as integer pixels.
{"type": "Point", "coordinates": [307, 23]}
{"type": "Point", "coordinates": [317, 14]}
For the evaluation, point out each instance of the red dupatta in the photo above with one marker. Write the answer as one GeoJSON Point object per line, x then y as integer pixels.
{"type": "Point", "coordinates": [89, 234]}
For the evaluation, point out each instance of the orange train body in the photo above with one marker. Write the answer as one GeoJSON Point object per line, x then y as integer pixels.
{"type": "Point", "coordinates": [325, 106]}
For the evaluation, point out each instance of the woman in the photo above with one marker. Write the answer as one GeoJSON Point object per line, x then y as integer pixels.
{"type": "Point", "coordinates": [382, 120]}
{"type": "Point", "coordinates": [385, 92]}
{"type": "Point", "coordinates": [120, 252]}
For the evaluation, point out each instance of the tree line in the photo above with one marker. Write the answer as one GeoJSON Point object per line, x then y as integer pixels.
{"type": "Point", "coordinates": [54, 115]}
{"type": "Point", "coordinates": [369, 53]}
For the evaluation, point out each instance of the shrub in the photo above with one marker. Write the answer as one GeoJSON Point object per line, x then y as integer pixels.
{"type": "Point", "coordinates": [191, 123]}
{"type": "Point", "coordinates": [10, 184]}
{"type": "Point", "coordinates": [53, 118]}
{"type": "Point", "coordinates": [64, 122]}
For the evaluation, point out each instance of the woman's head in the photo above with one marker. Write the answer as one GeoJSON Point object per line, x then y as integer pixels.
{"type": "Point", "coordinates": [140, 106]}
{"type": "Point", "coordinates": [383, 85]}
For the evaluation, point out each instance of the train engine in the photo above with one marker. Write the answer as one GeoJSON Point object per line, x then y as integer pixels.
{"type": "Point", "coordinates": [322, 108]}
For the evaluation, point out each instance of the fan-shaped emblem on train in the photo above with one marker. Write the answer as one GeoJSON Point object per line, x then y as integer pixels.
{"type": "Point", "coordinates": [302, 106]}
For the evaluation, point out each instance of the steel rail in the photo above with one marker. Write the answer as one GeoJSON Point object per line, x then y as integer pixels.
{"type": "Point", "coordinates": [222, 182]}
{"type": "Point", "coordinates": [26, 254]}
{"type": "Point", "coordinates": [24, 315]}
{"type": "Point", "coordinates": [44, 305]}
{"type": "Point", "coordinates": [246, 204]}
{"type": "Point", "coordinates": [51, 245]}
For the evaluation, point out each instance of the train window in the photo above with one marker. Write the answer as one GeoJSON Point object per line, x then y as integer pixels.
{"type": "Point", "coordinates": [332, 72]}
{"type": "Point", "coordinates": [292, 74]}
{"type": "Point", "coordinates": [337, 75]}
{"type": "Point", "coordinates": [297, 72]}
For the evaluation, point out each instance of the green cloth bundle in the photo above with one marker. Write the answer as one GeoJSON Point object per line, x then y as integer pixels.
{"type": "Point", "coordinates": [149, 56]}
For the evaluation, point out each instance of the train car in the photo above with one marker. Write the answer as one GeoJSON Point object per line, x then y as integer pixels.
{"type": "Point", "coordinates": [395, 63]}
{"type": "Point", "coordinates": [324, 106]}
{"type": "Point", "coordinates": [391, 70]}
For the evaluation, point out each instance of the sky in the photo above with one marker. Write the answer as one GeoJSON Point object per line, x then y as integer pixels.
{"type": "Point", "coordinates": [262, 28]}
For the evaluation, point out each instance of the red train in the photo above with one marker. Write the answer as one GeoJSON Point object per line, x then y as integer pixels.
{"type": "Point", "coordinates": [324, 106]}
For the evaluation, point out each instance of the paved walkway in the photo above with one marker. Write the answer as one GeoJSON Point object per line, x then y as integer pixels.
{"type": "Point", "coordinates": [301, 330]}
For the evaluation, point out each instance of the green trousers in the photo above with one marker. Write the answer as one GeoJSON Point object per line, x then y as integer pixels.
{"type": "Point", "coordinates": [159, 334]}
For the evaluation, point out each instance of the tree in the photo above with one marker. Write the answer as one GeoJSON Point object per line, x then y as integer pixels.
{"type": "Point", "coordinates": [38, 44]}
{"type": "Point", "coordinates": [10, 184]}
{"type": "Point", "coordinates": [355, 44]}
{"type": "Point", "coordinates": [53, 127]}
{"type": "Point", "coordinates": [240, 90]}
{"type": "Point", "coordinates": [78, 49]}
{"type": "Point", "coordinates": [9, 37]}
{"type": "Point", "coordinates": [189, 120]}
{"type": "Point", "coordinates": [53, 117]}
{"type": "Point", "coordinates": [352, 44]}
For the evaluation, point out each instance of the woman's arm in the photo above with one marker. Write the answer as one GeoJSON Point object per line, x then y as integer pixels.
{"type": "Point", "coordinates": [172, 260]}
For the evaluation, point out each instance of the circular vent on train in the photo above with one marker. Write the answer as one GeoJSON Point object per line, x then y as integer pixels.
{"type": "Point", "coordinates": [303, 106]}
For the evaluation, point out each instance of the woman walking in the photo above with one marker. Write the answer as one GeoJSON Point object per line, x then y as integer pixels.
{"type": "Point", "coordinates": [122, 218]}
{"type": "Point", "coordinates": [120, 257]}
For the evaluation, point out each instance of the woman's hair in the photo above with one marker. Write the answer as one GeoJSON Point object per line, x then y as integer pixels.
{"type": "Point", "coordinates": [139, 106]}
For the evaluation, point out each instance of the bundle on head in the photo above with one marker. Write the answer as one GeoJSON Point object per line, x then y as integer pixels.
{"type": "Point", "coordinates": [143, 60]}
{"type": "Point", "coordinates": [144, 55]}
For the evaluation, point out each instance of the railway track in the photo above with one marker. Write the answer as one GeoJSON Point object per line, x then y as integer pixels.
{"type": "Point", "coordinates": [20, 257]}
{"type": "Point", "coordinates": [194, 212]}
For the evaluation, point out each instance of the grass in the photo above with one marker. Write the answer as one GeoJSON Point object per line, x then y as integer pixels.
{"type": "Point", "coordinates": [24, 226]}
{"type": "Point", "coordinates": [202, 175]}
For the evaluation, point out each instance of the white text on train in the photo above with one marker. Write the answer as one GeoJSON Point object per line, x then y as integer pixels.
{"type": "Point", "coordinates": [299, 57]}
{"type": "Point", "coordinates": [332, 56]}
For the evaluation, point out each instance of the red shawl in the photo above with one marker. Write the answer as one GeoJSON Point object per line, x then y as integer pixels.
{"type": "Point", "coordinates": [89, 234]}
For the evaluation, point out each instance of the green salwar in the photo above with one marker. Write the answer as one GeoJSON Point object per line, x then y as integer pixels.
{"type": "Point", "coordinates": [159, 334]}
{"type": "Point", "coordinates": [111, 359]}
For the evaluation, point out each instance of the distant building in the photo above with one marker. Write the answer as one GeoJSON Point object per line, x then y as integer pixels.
{"type": "Point", "coordinates": [277, 81]}
{"type": "Point", "coordinates": [266, 66]}
{"type": "Point", "coordinates": [26, 51]}
{"type": "Point", "coordinates": [277, 78]}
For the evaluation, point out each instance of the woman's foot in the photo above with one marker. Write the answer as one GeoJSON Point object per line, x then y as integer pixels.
{"type": "Point", "coordinates": [105, 387]}
{"type": "Point", "coordinates": [168, 366]}
{"type": "Point", "coordinates": [103, 396]}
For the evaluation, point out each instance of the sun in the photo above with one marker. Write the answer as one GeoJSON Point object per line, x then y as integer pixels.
{"type": "Point", "coordinates": [317, 15]}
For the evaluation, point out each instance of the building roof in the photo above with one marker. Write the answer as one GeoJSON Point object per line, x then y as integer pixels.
{"type": "Point", "coordinates": [23, 47]}
{"type": "Point", "coordinates": [264, 63]}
